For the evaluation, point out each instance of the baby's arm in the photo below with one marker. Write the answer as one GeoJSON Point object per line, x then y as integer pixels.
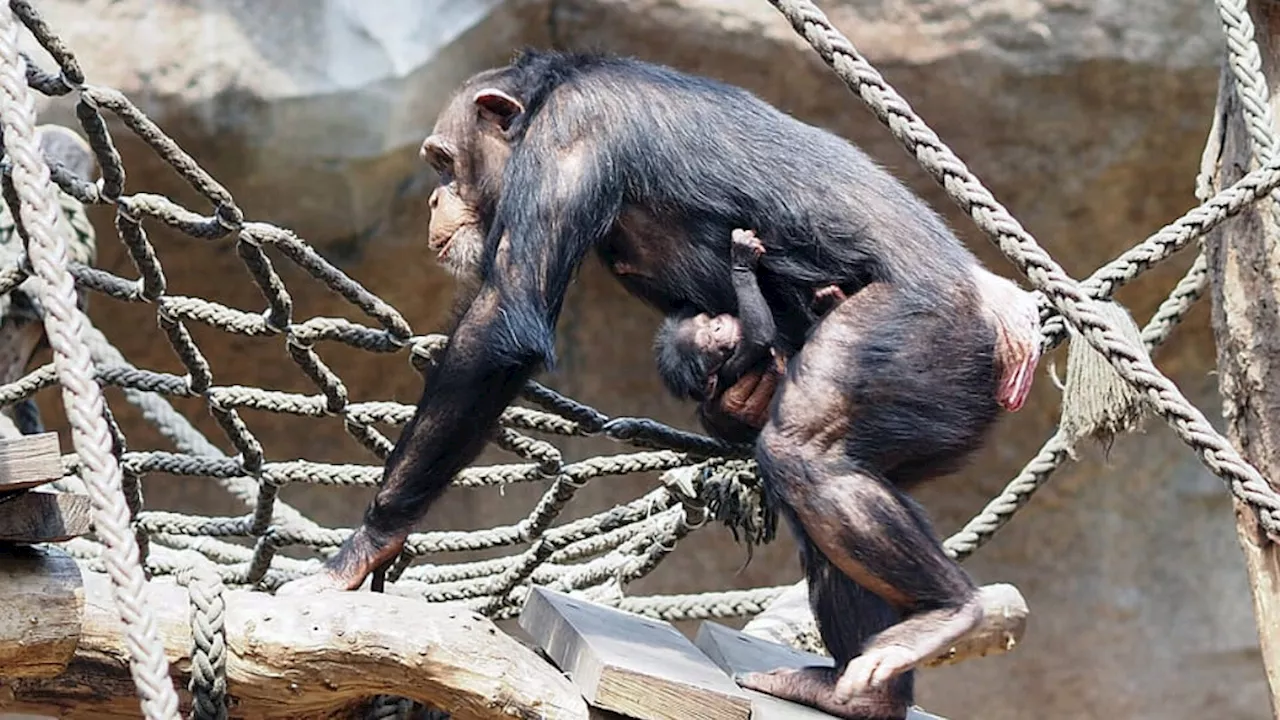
{"type": "Point", "coordinates": [754, 316]}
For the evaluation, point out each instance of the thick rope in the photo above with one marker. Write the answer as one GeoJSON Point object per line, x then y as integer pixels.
{"type": "Point", "coordinates": [64, 324]}
{"type": "Point", "coordinates": [1057, 449]}
{"type": "Point", "coordinates": [1245, 61]}
{"type": "Point", "coordinates": [208, 684]}
{"type": "Point", "coordinates": [1065, 294]}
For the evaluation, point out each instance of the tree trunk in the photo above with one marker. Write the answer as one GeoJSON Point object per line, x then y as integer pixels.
{"type": "Point", "coordinates": [1244, 264]}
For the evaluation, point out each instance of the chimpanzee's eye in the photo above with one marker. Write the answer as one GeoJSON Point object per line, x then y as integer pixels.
{"type": "Point", "coordinates": [440, 160]}
{"type": "Point", "coordinates": [438, 155]}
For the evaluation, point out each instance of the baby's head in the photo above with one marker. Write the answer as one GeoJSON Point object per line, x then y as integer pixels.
{"type": "Point", "coordinates": [691, 349]}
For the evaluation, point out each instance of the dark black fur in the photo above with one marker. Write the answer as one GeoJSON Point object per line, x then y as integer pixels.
{"type": "Point", "coordinates": [707, 157]}
{"type": "Point", "coordinates": [701, 158]}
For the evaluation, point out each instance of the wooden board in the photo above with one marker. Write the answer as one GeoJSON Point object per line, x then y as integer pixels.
{"type": "Point", "coordinates": [28, 461]}
{"type": "Point", "coordinates": [735, 652]}
{"type": "Point", "coordinates": [629, 664]}
{"type": "Point", "coordinates": [35, 516]}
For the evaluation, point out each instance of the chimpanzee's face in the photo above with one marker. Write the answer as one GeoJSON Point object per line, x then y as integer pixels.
{"type": "Point", "coordinates": [468, 150]}
{"type": "Point", "coordinates": [713, 337]}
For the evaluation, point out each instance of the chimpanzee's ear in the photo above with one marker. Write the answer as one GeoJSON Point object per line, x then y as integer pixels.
{"type": "Point", "coordinates": [498, 106]}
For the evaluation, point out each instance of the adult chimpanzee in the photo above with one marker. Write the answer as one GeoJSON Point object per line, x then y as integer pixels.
{"type": "Point", "coordinates": [556, 154]}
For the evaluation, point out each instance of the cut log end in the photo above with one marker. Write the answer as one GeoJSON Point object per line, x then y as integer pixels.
{"type": "Point", "coordinates": [41, 613]}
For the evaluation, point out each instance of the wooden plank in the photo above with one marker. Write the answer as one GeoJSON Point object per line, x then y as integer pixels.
{"type": "Point", "coordinates": [41, 613]}
{"type": "Point", "coordinates": [630, 664]}
{"type": "Point", "coordinates": [29, 460]}
{"type": "Point", "coordinates": [35, 516]}
{"type": "Point", "coordinates": [735, 652]}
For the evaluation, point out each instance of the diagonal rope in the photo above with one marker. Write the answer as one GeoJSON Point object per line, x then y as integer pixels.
{"type": "Point", "coordinates": [1065, 294]}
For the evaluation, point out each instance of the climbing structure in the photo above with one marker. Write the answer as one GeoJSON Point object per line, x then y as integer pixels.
{"type": "Point", "coordinates": [594, 557]}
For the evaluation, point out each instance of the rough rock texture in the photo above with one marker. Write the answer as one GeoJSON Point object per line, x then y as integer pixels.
{"type": "Point", "coordinates": [1085, 117]}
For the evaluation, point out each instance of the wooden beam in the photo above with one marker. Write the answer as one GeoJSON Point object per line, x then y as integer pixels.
{"type": "Point", "coordinates": [629, 664]}
{"type": "Point", "coordinates": [43, 601]}
{"type": "Point", "coordinates": [1004, 620]}
{"type": "Point", "coordinates": [309, 657]}
{"type": "Point", "coordinates": [736, 652]}
{"type": "Point", "coordinates": [29, 460]}
{"type": "Point", "coordinates": [1241, 257]}
{"type": "Point", "coordinates": [35, 516]}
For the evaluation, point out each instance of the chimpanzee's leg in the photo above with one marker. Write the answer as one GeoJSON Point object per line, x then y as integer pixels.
{"type": "Point", "coordinates": [867, 394]}
{"type": "Point", "coordinates": [865, 529]}
{"type": "Point", "coordinates": [847, 615]}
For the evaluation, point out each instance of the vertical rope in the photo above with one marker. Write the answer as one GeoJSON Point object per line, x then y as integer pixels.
{"type": "Point", "coordinates": [39, 212]}
{"type": "Point", "coordinates": [1246, 66]}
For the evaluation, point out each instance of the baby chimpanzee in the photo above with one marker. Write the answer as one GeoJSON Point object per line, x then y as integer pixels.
{"type": "Point", "coordinates": [701, 356]}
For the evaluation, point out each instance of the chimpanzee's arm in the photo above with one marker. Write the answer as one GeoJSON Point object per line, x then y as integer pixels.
{"type": "Point", "coordinates": [547, 221]}
{"type": "Point", "coordinates": [754, 316]}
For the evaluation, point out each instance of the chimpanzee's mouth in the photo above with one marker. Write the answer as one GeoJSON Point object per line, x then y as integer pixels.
{"type": "Point", "coordinates": [443, 248]}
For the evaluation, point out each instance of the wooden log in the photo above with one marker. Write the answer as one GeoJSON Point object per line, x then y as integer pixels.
{"type": "Point", "coordinates": [736, 652]}
{"type": "Point", "coordinates": [43, 602]}
{"type": "Point", "coordinates": [1241, 258]}
{"type": "Point", "coordinates": [1004, 620]}
{"type": "Point", "coordinates": [34, 516]}
{"type": "Point", "coordinates": [310, 657]}
{"type": "Point", "coordinates": [630, 664]}
{"type": "Point", "coordinates": [29, 460]}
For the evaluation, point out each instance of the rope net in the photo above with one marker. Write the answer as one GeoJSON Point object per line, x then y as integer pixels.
{"type": "Point", "coordinates": [47, 251]}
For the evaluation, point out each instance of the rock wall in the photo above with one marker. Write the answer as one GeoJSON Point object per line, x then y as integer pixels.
{"type": "Point", "coordinates": [1085, 117]}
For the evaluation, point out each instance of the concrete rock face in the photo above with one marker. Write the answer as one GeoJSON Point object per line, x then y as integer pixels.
{"type": "Point", "coordinates": [1085, 117]}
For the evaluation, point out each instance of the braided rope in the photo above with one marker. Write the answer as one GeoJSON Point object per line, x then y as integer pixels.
{"type": "Point", "coordinates": [1065, 294]}
{"type": "Point", "coordinates": [1160, 246]}
{"type": "Point", "coordinates": [1245, 61]}
{"type": "Point", "coordinates": [64, 324]}
{"type": "Point", "coordinates": [208, 684]}
{"type": "Point", "coordinates": [1057, 449]}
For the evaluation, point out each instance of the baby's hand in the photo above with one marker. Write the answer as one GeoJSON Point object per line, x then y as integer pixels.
{"type": "Point", "coordinates": [747, 248]}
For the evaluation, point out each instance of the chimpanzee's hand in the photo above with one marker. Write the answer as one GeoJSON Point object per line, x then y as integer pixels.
{"type": "Point", "coordinates": [747, 249]}
{"type": "Point", "coordinates": [746, 402]}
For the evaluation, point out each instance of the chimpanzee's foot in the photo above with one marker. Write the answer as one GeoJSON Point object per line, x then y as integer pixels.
{"type": "Point", "coordinates": [358, 557]}
{"type": "Point", "coordinates": [323, 581]}
{"type": "Point", "coordinates": [815, 687]}
{"type": "Point", "coordinates": [904, 646]}
{"type": "Point", "coordinates": [874, 668]}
